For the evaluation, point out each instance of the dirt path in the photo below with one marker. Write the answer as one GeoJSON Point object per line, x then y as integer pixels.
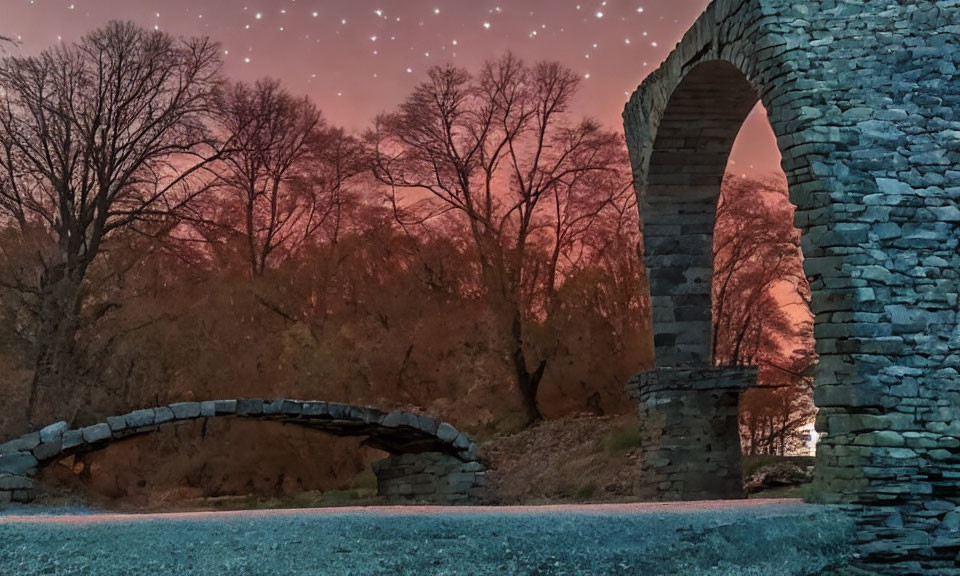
{"type": "Point", "coordinates": [600, 509]}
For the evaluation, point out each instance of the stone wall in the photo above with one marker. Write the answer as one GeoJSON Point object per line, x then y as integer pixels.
{"type": "Point", "coordinates": [686, 170]}
{"type": "Point", "coordinates": [406, 435]}
{"type": "Point", "coordinates": [690, 432]}
{"type": "Point", "coordinates": [429, 477]}
{"type": "Point", "coordinates": [864, 98]}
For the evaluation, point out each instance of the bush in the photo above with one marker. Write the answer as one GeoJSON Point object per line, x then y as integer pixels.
{"type": "Point", "coordinates": [586, 491]}
{"type": "Point", "coordinates": [624, 440]}
{"type": "Point", "coordinates": [753, 463]}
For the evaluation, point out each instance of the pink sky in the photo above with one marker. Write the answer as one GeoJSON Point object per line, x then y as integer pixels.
{"type": "Point", "coordinates": [357, 58]}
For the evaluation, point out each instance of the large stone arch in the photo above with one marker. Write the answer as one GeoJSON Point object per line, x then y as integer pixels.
{"type": "Point", "coordinates": [429, 460]}
{"type": "Point", "coordinates": [864, 98]}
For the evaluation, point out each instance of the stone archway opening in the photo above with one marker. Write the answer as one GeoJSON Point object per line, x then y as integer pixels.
{"type": "Point", "coordinates": [688, 406]}
{"type": "Point", "coordinates": [761, 303]}
{"type": "Point", "coordinates": [221, 462]}
{"type": "Point", "coordinates": [721, 252]}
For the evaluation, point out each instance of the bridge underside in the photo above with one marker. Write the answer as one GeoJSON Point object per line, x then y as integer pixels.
{"type": "Point", "coordinates": [430, 460]}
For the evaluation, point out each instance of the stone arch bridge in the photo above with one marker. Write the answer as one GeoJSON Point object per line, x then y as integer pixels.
{"type": "Point", "coordinates": [429, 460]}
{"type": "Point", "coordinates": [864, 98]}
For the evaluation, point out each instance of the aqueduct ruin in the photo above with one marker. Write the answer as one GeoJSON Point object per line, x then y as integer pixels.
{"type": "Point", "coordinates": [429, 460]}
{"type": "Point", "coordinates": [864, 98]}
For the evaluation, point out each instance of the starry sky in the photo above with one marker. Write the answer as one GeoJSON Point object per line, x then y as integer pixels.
{"type": "Point", "coordinates": [357, 58]}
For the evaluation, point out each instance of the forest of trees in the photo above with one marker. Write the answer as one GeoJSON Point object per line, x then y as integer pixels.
{"type": "Point", "coordinates": [169, 234]}
{"type": "Point", "coordinates": [762, 316]}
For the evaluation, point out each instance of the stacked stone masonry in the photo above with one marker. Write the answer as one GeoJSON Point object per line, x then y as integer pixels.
{"type": "Point", "coordinates": [429, 477]}
{"type": "Point", "coordinates": [690, 431]}
{"type": "Point", "coordinates": [864, 98]}
{"type": "Point", "coordinates": [406, 436]}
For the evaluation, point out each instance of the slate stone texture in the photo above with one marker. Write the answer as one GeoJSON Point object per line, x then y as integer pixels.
{"type": "Point", "coordinates": [864, 98]}
{"type": "Point", "coordinates": [690, 431]}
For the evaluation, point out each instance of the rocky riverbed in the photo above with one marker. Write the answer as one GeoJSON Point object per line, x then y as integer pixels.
{"type": "Point", "coordinates": [767, 539]}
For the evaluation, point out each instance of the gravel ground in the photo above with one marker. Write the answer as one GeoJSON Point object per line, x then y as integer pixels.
{"type": "Point", "coordinates": [768, 540]}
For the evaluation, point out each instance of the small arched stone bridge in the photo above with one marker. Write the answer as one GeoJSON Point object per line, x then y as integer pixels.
{"type": "Point", "coordinates": [429, 460]}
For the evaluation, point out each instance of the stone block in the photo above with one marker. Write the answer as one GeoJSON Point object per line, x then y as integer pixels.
{"type": "Point", "coordinates": [888, 438]}
{"type": "Point", "coordinates": [96, 433]}
{"type": "Point", "coordinates": [139, 418]}
{"type": "Point", "coordinates": [397, 419]}
{"type": "Point", "coordinates": [271, 407]}
{"type": "Point", "coordinates": [185, 410]}
{"type": "Point", "coordinates": [48, 450]}
{"type": "Point", "coordinates": [250, 406]}
{"type": "Point", "coordinates": [951, 522]}
{"type": "Point", "coordinates": [364, 414]}
{"type": "Point", "coordinates": [225, 407]}
{"type": "Point", "coordinates": [472, 467]}
{"type": "Point", "coordinates": [470, 452]}
{"type": "Point", "coordinates": [10, 482]}
{"type": "Point", "coordinates": [291, 408]}
{"type": "Point", "coordinates": [116, 423]}
{"type": "Point", "coordinates": [17, 463]}
{"type": "Point", "coordinates": [72, 439]}
{"type": "Point", "coordinates": [847, 396]}
{"type": "Point", "coordinates": [461, 441]}
{"type": "Point", "coordinates": [339, 411]}
{"type": "Point", "coordinates": [314, 409]}
{"type": "Point", "coordinates": [447, 433]}
{"type": "Point", "coordinates": [24, 443]}
{"type": "Point", "coordinates": [942, 455]}
{"type": "Point", "coordinates": [427, 424]}
{"type": "Point", "coordinates": [163, 414]}
{"type": "Point", "coordinates": [53, 432]}
{"type": "Point", "coordinates": [22, 496]}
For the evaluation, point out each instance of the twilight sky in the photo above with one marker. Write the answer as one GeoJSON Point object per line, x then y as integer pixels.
{"type": "Point", "coordinates": [356, 58]}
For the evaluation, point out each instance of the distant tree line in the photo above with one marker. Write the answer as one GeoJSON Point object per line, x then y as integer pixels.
{"type": "Point", "coordinates": [168, 233]}
{"type": "Point", "coordinates": [762, 316]}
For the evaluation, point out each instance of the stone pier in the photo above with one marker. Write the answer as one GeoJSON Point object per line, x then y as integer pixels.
{"type": "Point", "coordinates": [689, 431]}
{"type": "Point", "coordinates": [429, 477]}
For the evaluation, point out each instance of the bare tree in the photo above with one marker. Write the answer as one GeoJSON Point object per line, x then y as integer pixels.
{"type": "Point", "coordinates": [761, 310]}
{"type": "Point", "coordinates": [756, 249]}
{"type": "Point", "coordinates": [773, 416]}
{"type": "Point", "coordinates": [342, 159]}
{"type": "Point", "coordinates": [286, 175]}
{"type": "Point", "coordinates": [99, 137]}
{"type": "Point", "coordinates": [499, 150]}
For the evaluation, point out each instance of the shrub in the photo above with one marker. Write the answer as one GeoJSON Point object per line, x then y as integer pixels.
{"type": "Point", "coordinates": [624, 440]}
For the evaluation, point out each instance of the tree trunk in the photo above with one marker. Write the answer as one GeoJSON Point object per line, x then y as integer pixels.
{"type": "Point", "coordinates": [528, 383]}
{"type": "Point", "coordinates": [55, 368]}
